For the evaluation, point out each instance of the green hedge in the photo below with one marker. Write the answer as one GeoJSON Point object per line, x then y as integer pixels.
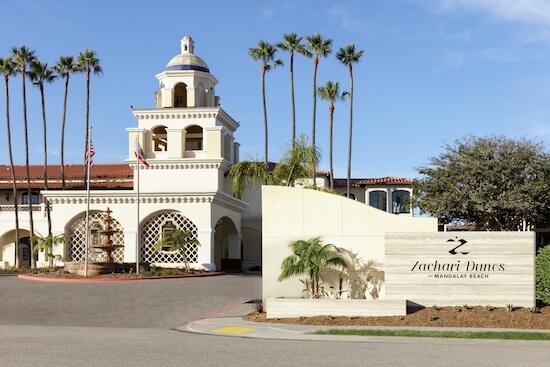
{"type": "Point", "coordinates": [542, 271]}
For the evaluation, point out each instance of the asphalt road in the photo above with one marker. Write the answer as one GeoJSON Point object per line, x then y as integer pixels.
{"type": "Point", "coordinates": [132, 324]}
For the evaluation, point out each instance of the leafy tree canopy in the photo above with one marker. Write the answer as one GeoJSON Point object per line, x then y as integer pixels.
{"type": "Point", "coordinates": [493, 182]}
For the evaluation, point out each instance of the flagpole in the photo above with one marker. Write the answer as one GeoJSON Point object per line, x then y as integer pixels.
{"type": "Point", "coordinates": [138, 234]}
{"type": "Point", "coordinates": [87, 162]}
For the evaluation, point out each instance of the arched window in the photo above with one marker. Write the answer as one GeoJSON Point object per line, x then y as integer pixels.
{"type": "Point", "coordinates": [180, 95]}
{"type": "Point", "coordinates": [35, 198]}
{"type": "Point", "coordinates": [160, 139]}
{"type": "Point", "coordinates": [401, 201]}
{"type": "Point", "coordinates": [378, 199]}
{"type": "Point", "coordinates": [193, 138]}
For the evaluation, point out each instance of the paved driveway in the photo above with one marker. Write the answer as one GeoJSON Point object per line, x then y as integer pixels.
{"type": "Point", "coordinates": [166, 303]}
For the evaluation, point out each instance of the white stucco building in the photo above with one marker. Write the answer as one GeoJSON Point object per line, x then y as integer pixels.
{"type": "Point", "coordinates": [189, 143]}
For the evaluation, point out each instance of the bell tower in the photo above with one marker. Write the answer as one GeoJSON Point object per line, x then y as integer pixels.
{"type": "Point", "coordinates": [186, 130]}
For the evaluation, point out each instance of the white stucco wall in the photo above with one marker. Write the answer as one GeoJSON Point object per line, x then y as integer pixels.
{"type": "Point", "coordinates": [290, 214]}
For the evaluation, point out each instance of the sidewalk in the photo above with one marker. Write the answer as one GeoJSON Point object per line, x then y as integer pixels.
{"type": "Point", "coordinates": [229, 322]}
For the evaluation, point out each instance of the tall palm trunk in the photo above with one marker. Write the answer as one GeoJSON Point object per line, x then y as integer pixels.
{"type": "Point", "coordinates": [87, 123]}
{"type": "Point", "coordinates": [266, 160]}
{"type": "Point", "coordinates": [292, 97]}
{"type": "Point", "coordinates": [63, 132]}
{"type": "Point", "coordinates": [12, 168]}
{"type": "Point", "coordinates": [348, 185]}
{"type": "Point", "coordinates": [44, 126]}
{"type": "Point", "coordinates": [27, 164]}
{"type": "Point", "coordinates": [315, 63]}
{"type": "Point", "coordinates": [330, 127]}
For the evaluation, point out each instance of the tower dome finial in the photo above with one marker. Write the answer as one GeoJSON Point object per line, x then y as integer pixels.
{"type": "Point", "coordinates": [187, 45]}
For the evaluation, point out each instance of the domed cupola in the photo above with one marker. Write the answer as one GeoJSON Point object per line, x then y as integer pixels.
{"type": "Point", "coordinates": [187, 60]}
{"type": "Point", "coordinates": [186, 81]}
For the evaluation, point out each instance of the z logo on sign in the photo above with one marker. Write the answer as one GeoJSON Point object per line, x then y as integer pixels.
{"type": "Point", "coordinates": [453, 250]}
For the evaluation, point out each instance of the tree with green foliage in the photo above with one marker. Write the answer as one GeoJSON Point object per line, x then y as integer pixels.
{"type": "Point", "coordinates": [87, 62]}
{"type": "Point", "coordinates": [293, 44]}
{"type": "Point", "coordinates": [177, 240]}
{"type": "Point", "coordinates": [492, 182]}
{"type": "Point", "coordinates": [311, 258]}
{"type": "Point", "coordinates": [295, 163]}
{"type": "Point", "coordinates": [349, 56]}
{"type": "Point", "coordinates": [265, 52]}
{"type": "Point", "coordinates": [7, 68]}
{"type": "Point", "coordinates": [331, 92]}
{"type": "Point", "coordinates": [47, 244]}
{"type": "Point", "coordinates": [542, 274]}
{"type": "Point", "coordinates": [23, 58]}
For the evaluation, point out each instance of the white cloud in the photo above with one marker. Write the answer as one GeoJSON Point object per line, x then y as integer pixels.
{"type": "Point", "coordinates": [535, 12]}
{"type": "Point", "coordinates": [346, 18]}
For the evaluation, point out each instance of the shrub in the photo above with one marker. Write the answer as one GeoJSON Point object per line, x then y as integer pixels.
{"type": "Point", "coordinates": [542, 271]}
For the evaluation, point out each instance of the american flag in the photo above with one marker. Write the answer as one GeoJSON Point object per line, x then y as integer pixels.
{"type": "Point", "coordinates": [88, 156]}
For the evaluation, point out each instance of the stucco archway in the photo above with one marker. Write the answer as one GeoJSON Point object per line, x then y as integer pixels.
{"type": "Point", "coordinates": [227, 246]}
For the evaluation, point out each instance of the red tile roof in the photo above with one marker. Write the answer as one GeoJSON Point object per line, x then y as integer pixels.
{"type": "Point", "coordinates": [358, 182]}
{"type": "Point", "coordinates": [389, 180]}
{"type": "Point", "coordinates": [103, 176]}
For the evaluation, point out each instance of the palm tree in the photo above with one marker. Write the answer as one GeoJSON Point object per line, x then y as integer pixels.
{"type": "Point", "coordinates": [291, 44]}
{"type": "Point", "coordinates": [40, 74]}
{"type": "Point", "coordinates": [331, 92]}
{"type": "Point", "coordinates": [311, 258]}
{"type": "Point", "coordinates": [348, 56]}
{"type": "Point", "coordinates": [24, 57]}
{"type": "Point", "coordinates": [47, 245]}
{"type": "Point", "coordinates": [87, 62]}
{"type": "Point", "coordinates": [265, 53]}
{"type": "Point", "coordinates": [64, 68]}
{"type": "Point", "coordinates": [318, 47]}
{"type": "Point", "coordinates": [252, 172]}
{"type": "Point", "coordinates": [7, 67]}
{"type": "Point", "coordinates": [177, 240]}
{"type": "Point", "coordinates": [297, 162]}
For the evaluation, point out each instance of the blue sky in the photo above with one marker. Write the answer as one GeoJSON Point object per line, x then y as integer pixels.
{"type": "Point", "coordinates": [433, 71]}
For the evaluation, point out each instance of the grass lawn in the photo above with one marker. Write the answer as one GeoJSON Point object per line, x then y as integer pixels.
{"type": "Point", "coordinates": [503, 335]}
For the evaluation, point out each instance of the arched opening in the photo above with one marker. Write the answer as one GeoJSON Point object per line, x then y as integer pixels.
{"type": "Point", "coordinates": [401, 202]}
{"type": "Point", "coordinates": [7, 248]}
{"type": "Point", "coordinates": [227, 246]}
{"type": "Point", "coordinates": [378, 199]}
{"type": "Point", "coordinates": [160, 139]}
{"type": "Point", "coordinates": [193, 138]}
{"type": "Point", "coordinates": [76, 238]}
{"type": "Point", "coordinates": [180, 95]}
{"type": "Point", "coordinates": [161, 224]}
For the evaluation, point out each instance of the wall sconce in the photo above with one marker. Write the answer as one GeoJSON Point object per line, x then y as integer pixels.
{"type": "Point", "coordinates": [7, 196]}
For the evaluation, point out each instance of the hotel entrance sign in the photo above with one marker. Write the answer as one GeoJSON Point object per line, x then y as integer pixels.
{"type": "Point", "coordinates": [457, 268]}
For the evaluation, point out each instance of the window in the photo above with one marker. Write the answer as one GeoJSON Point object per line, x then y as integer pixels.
{"type": "Point", "coordinates": [160, 139]}
{"type": "Point", "coordinates": [378, 199]}
{"type": "Point", "coordinates": [35, 198]}
{"type": "Point", "coordinates": [180, 95]}
{"type": "Point", "coordinates": [95, 235]}
{"type": "Point", "coordinates": [351, 195]}
{"type": "Point", "coordinates": [193, 138]}
{"type": "Point", "coordinates": [401, 201]}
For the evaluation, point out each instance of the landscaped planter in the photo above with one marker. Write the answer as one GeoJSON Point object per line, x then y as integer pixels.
{"type": "Point", "coordinates": [278, 308]}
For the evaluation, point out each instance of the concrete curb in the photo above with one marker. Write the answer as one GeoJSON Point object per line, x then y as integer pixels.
{"type": "Point", "coordinates": [99, 280]}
